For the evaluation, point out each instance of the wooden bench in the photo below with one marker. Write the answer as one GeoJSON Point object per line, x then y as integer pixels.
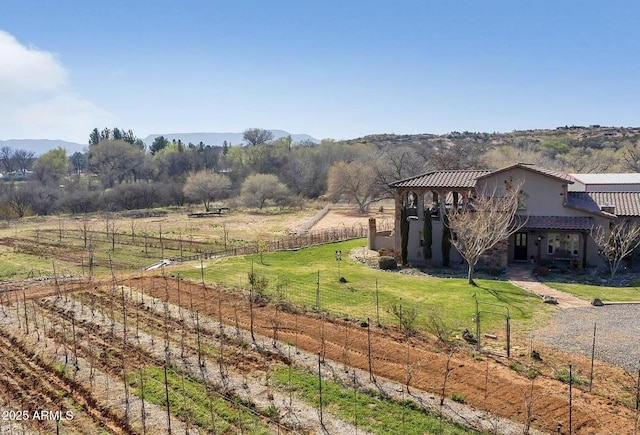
{"type": "Point", "coordinates": [215, 212]}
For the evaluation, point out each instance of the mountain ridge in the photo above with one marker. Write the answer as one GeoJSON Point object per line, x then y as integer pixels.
{"type": "Point", "coordinates": [218, 139]}
{"type": "Point", "coordinates": [593, 135]}
{"type": "Point", "coordinates": [41, 146]}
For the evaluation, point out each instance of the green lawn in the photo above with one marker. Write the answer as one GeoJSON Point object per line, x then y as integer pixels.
{"type": "Point", "coordinates": [365, 410]}
{"type": "Point", "coordinates": [605, 294]}
{"type": "Point", "coordinates": [192, 401]}
{"type": "Point", "coordinates": [293, 275]}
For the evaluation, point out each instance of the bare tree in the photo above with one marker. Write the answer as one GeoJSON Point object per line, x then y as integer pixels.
{"type": "Point", "coordinates": [453, 154]}
{"type": "Point", "coordinates": [225, 235]}
{"type": "Point", "coordinates": [18, 198]}
{"type": "Point", "coordinates": [616, 242]}
{"type": "Point", "coordinates": [257, 136]}
{"type": "Point", "coordinates": [489, 219]}
{"type": "Point", "coordinates": [356, 181]}
{"type": "Point", "coordinates": [6, 158]}
{"type": "Point", "coordinates": [23, 159]}
{"type": "Point", "coordinates": [85, 226]}
{"type": "Point", "coordinates": [396, 163]}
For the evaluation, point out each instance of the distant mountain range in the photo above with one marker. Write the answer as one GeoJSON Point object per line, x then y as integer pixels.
{"type": "Point", "coordinates": [217, 139]}
{"type": "Point", "coordinates": [586, 136]}
{"type": "Point", "coordinates": [41, 146]}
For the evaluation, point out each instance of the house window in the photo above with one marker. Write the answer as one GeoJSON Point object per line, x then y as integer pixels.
{"type": "Point", "coordinates": [522, 200]}
{"type": "Point", "coordinates": [573, 243]}
{"type": "Point", "coordinates": [564, 245]}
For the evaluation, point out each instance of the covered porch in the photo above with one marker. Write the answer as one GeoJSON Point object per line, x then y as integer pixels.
{"type": "Point", "coordinates": [561, 240]}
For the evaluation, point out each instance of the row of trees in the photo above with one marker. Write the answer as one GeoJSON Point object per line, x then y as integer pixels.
{"type": "Point", "coordinates": [116, 172]}
{"type": "Point", "coordinates": [121, 172]}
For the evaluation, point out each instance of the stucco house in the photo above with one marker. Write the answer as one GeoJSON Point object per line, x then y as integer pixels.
{"type": "Point", "coordinates": [559, 210]}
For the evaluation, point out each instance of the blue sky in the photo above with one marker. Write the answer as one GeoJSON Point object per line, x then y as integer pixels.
{"type": "Point", "coordinates": [331, 69]}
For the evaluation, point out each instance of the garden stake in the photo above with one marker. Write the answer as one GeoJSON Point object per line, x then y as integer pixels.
{"type": "Point", "coordinates": [593, 353]}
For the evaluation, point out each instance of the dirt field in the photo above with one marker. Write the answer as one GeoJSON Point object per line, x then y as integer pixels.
{"type": "Point", "coordinates": [340, 216]}
{"type": "Point", "coordinates": [488, 383]}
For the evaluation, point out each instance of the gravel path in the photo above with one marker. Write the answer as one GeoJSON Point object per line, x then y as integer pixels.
{"type": "Point", "coordinates": [617, 333]}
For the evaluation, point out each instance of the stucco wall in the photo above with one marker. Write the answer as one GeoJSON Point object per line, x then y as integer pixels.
{"type": "Point", "coordinates": [415, 251]}
{"type": "Point", "coordinates": [544, 196]}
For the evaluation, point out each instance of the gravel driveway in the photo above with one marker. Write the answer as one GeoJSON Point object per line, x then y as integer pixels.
{"type": "Point", "coordinates": [617, 333]}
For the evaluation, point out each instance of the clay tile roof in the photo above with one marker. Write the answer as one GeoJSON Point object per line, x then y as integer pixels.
{"type": "Point", "coordinates": [583, 202]}
{"type": "Point", "coordinates": [626, 203]}
{"type": "Point", "coordinates": [450, 179]}
{"type": "Point", "coordinates": [538, 169]}
{"type": "Point", "coordinates": [576, 223]}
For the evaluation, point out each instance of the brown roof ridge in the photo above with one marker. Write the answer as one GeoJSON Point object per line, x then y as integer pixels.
{"type": "Point", "coordinates": [534, 168]}
{"type": "Point", "coordinates": [439, 171]}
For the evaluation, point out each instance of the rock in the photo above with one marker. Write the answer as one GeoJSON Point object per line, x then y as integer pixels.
{"type": "Point", "coordinates": [468, 336]}
{"type": "Point", "coordinates": [549, 300]}
{"type": "Point", "coordinates": [536, 355]}
{"type": "Point", "coordinates": [596, 302]}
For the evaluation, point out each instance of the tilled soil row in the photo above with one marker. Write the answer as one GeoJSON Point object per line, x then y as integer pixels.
{"type": "Point", "coordinates": [52, 341]}
{"type": "Point", "coordinates": [489, 385]}
{"type": "Point", "coordinates": [37, 385]}
{"type": "Point", "coordinates": [243, 367]}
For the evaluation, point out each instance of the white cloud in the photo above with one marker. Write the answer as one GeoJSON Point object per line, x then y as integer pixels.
{"type": "Point", "coordinates": [27, 69]}
{"type": "Point", "coordinates": [36, 100]}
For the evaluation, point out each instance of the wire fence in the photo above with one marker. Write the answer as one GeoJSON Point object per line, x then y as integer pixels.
{"type": "Point", "coordinates": [289, 242]}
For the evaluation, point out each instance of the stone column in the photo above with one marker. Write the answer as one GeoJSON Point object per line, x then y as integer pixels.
{"type": "Point", "coordinates": [372, 234]}
{"type": "Point", "coordinates": [420, 204]}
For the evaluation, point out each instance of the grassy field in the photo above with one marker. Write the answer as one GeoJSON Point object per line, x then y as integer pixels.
{"type": "Point", "coordinates": [366, 410]}
{"type": "Point", "coordinates": [32, 246]}
{"type": "Point", "coordinates": [605, 294]}
{"type": "Point", "coordinates": [306, 277]}
{"type": "Point", "coordinates": [294, 276]}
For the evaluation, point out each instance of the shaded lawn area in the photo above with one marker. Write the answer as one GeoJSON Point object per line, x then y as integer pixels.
{"type": "Point", "coordinates": [293, 276]}
{"type": "Point", "coordinates": [605, 294]}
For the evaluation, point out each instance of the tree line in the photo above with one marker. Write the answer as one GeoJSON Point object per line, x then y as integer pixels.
{"type": "Point", "coordinates": [118, 171]}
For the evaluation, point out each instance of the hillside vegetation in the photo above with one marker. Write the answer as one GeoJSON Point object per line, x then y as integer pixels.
{"type": "Point", "coordinates": [118, 172]}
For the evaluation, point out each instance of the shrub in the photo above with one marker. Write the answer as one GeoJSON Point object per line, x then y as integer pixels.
{"type": "Point", "coordinates": [387, 263]}
{"type": "Point", "coordinates": [543, 271]}
{"type": "Point", "coordinates": [272, 412]}
{"type": "Point", "coordinates": [406, 318]}
{"type": "Point", "coordinates": [562, 375]}
{"type": "Point", "coordinates": [259, 284]}
{"type": "Point", "coordinates": [438, 326]}
{"type": "Point", "coordinates": [457, 397]}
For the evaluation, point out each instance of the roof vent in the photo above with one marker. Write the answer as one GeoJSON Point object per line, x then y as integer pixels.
{"type": "Point", "coordinates": [608, 208]}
